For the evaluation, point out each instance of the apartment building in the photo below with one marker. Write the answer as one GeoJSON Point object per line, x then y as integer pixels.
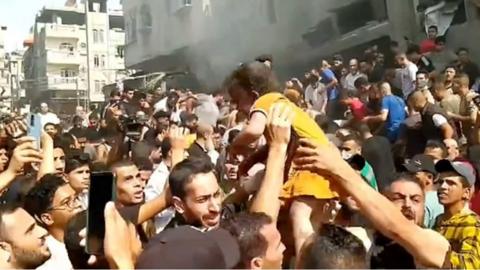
{"type": "Point", "coordinates": [4, 72]}
{"type": "Point", "coordinates": [56, 64]}
{"type": "Point", "coordinates": [210, 37]}
{"type": "Point", "coordinates": [15, 69]}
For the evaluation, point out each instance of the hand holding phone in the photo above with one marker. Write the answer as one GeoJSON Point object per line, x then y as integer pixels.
{"type": "Point", "coordinates": [100, 192]}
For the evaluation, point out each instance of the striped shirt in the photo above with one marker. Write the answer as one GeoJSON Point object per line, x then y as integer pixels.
{"type": "Point", "coordinates": [463, 233]}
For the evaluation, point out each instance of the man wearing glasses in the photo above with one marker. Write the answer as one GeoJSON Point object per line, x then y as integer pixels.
{"type": "Point", "coordinates": [53, 202]}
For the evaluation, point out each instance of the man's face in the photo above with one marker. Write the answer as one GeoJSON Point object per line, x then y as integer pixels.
{"type": "Point", "coordinates": [451, 189]}
{"type": "Point", "coordinates": [231, 166]}
{"type": "Point", "coordinates": [203, 201]}
{"type": "Point", "coordinates": [44, 108]}
{"type": "Point", "coordinates": [130, 185]}
{"type": "Point", "coordinates": [130, 94]}
{"type": "Point", "coordinates": [145, 176]}
{"type": "Point", "coordinates": [450, 74]}
{"type": "Point", "coordinates": [349, 149]}
{"type": "Point", "coordinates": [463, 56]}
{"type": "Point", "coordinates": [274, 255]}
{"type": "Point", "coordinates": [452, 148]}
{"type": "Point", "coordinates": [424, 178]}
{"type": "Point", "coordinates": [422, 80]}
{"type": "Point", "coordinates": [436, 153]}
{"type": "Point", "coordinates": [456, 86]}
{"type": "Point", "coordinates": [59, 161]}
{"type": "Point", "coordinates": [432, 33]}
{"type": "Point", "coordinates": [65, 205]}
{"type": "Point", "coordinates": [380, 59]}
{"type": "Point", "coordinates": [51, 130]}
{"type": "Point", "coordinates": [409, 198]}
{"type": "Point", "coordinates": [163, 121]}
{"type": "Point", "coordinates": [353, 66]}
{"type": "Point", "coordinates": [192, 125]}
{"type": "Point", "coordinates": [3, 159]}
{"type": "Point", "coordinates": [79, 179]}
{"type": "Point", "coordinates": [172, 101]}
{"type": "Point", "coordinates": [26, 240]}
{"type": "Point", "coordinates": [149, 98]}
{"type": "Point", "coordinates": [364, 67]}
{"type": "Point", "coordinates": [82, 141]}
{"type": "Point", "coordinates": [401, 60]}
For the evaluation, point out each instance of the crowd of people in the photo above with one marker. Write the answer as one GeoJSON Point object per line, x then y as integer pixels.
{"type": "Point", "coordinates": [369, 163]}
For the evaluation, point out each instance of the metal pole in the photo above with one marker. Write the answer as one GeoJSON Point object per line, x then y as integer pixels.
{"type": "Point", "coordinates": [87, 99]}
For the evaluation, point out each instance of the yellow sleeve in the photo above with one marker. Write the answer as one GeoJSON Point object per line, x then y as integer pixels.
{"type": "Point", "coordinates": [263, 103]}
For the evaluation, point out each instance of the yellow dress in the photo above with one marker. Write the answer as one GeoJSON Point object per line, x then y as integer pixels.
{"type": "Point", "coordinates": [300, 183]}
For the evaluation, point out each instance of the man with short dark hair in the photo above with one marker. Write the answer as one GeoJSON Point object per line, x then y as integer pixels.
{"type": "Point", "coordinates": [467, 66]}
{"type": "Point", "coordinates": [459, 225]}
{"type": "Point", "coordinates": [468, 110]}
{"type": "Point", "coordinates": [22, 241]}
{"type": "Point", "coordinates": [435, 149]}
{"type": "Point", "coordinates": [51, 129]}
{"type": "Point", "coordinates": [423, 85]}
{"type": "Point", "coordinates": [423, 169]}
{"type": "Point", "coordinates": [259, 240]}
{"type": "Point", "coordinates": [52, 202]}
{"type": "Point", "coordinates": [428, 45]}
{"type": "Point", "coordinates": [128, 183]}
{"type": "Point", "coordinates": [333, 247]}
{"type": "Point", "coordinates": [414, 54]}
{"type": "Point", "coordinates": [197, 197]}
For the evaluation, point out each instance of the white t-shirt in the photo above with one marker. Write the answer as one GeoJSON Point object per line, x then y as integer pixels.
{"type": "Point", "coordinates": [408, 78]}
{"type": "Point", "coordinates": [59, 258]}
{"type": "Point", "coordinates": [316, 95]}
{"type": "Point", "coordinates": [161, 105]}
{"type": "Point", "coordinates": [439, 120]}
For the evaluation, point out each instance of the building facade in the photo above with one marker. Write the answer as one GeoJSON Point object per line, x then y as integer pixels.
{"type": "Point", "coordinates": [58, 60]}
{"type": "Point", "coordinates": [210, 37]}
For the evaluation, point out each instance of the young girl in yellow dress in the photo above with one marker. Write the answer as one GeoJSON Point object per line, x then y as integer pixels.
{"type": "Point", "coordinates": [254, 89]}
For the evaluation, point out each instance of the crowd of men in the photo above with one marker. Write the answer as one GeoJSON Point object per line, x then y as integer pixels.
{"type": "Point", "coordinates": [369, 163]}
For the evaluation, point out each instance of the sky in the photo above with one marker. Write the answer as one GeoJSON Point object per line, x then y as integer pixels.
{"type": "Point", "coordinates": [19, 16]}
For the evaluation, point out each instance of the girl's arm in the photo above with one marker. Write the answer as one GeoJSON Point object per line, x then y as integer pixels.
{"type": "Point", "coordinates": [252, 132]}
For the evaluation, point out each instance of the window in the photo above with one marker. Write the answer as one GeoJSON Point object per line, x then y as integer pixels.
{"type": "Point", "coordinates": [97, 86]}
{"type": "Point", "coordinates": [101, 36]}
{"type": "Point", "coordinates": [96, 61]}
{"type": "Point", "coordinates": [146, 17]}
{"type": "Point", "coordinates": [83, 45]}
{"type": "Point", "coordinates": [68, 73]}
{"type": "Point", "coordinates": [103, 61]}
{"type": "Point", "coordinates": [131, 26]}
{"type": "Point", "coordinates": [120, 51]}
{"type": "Point", "coordinates": [187, 3]}
{"type": "Point", "coordinates": [360, 13]}
{"type": "Point", "coordinates": [95, 36]}
{"type": "Point", "coordinates": [96, 7]}
{"type": "Point", "coordinates": [65, 46]}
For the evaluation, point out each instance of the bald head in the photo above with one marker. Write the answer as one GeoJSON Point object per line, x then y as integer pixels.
{"type": "Point", "coordinates": [385, 88]}
{"type": "Point", "coordinates": [417, 101]}
{"type": "Point", "coordinates": [204, 130]}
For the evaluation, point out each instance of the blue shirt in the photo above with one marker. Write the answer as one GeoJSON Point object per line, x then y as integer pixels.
{"type": "Point", "coordinates": [433, 209]}
{"type": "Point", "coordinates": [396, 115]}
{"type": "Point", "coordinates": [327, 77]}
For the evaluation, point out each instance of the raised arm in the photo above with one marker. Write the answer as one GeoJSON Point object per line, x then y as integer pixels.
{"type": "Point", "coordinates": [429, 248]}
{"type": "Point", "coordinates": [252, 132]}
{"type": "Point", "coordinates": [47, 165]}
{"type": "Point", "coordinates": [279, 128]}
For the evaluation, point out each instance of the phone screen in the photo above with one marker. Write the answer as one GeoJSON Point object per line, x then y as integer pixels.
{"type": "Point", "coordinates": [100, 192]}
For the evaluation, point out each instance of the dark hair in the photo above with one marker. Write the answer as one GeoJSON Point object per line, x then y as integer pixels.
{"type": "Point", "coordinates": [72, 164]}
{"type": "Point", "coordinates": [440, 39]}
{"type": "Point", "coordinates": [184, 172]}
{"type": "Point", "coordinates": [362, 81]}
{"type": "Point", "coordinates": [76, 253]}
{"type": "Point", "coordinates": [335, 248]}
{"type": "Point", "coordinates": [394, 43]}
{"type": "Point", "coordinates": [423, 71]}
{"type": "Point", "coordinates": [403, 177]}
{"type": "Point", "coordinates": [18, 189]}
{"type": "Point", "coordinates": [5, 209]}
{"type": "Point", "coordinates": [115, 93]}
{"type": "Point", "coordinates": [190, 117]}
{"type": "Point", "coordinates": [413, 48]}
{"type": "Point", "coordinates": [254, 76]}
{"type": "Point", "coordinates": [165, 147]}
{"type": "Point", "coordinates": [232, 135]}
{"type": "Point", "coordinates": [49, 124]}
{"type": "Point", "coordinates": [363, 128]}
{"type": "Point", "coordinates": [161, 114]}
{"type": "Point", "coordinates": [245, 227]}
{"type": "Point", "coordinates": [437, 144]}
{"type": "Point", "coordinates": [264, 58]}
{"type": "Point", "coordinates": [352, 137]}
{"type": "Point", "coordinates": [433, 27]}
{"type": "Point", "coordinates": [39, 199]}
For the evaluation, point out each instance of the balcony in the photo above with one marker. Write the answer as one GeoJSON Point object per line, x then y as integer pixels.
{"type": "Point", "coordinates": [63, 31]}
{"type": "Point", "coordinates": [66, 83]}
{"type": "Point", "coordinates": [64, 58]}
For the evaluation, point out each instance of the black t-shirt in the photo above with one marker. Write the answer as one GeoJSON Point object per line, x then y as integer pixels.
{"type": "Point", "coordinates": [387, 254]}
{"type": "Point", "coordinates": [196, 151]}
{"type": "Point", "coordinates": [378, 153]}
{"type": "Point", "coordinates": [425, 64]}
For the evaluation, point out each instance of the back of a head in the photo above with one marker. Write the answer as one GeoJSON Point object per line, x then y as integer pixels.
{"type": "Point", "coordinates": [253, 76]}
{"type": "Point", "coordinates": [245, 227]}
{"type": "Point", "coordinates": [463, 79]}
{"type": "Point", "coordinates": [184, 172]}
{"type": "Point", "coordinates": [5, 209]}
{"type": "Point", "coordinates": [385, 88]}
{"type": "Point", "coordinates": [203, 129]}
{"type": "Point", "coordinates": [334, 248]}
{"type": "Point", "coordinates": [361, 82]}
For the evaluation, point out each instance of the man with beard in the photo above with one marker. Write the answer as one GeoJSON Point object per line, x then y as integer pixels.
{"type": "Point", "coordinates": [407, 195]}
{"type": "Point", "coordinates": [22, 241]}
{"type": "Point", "coordinates": [52, 202]}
